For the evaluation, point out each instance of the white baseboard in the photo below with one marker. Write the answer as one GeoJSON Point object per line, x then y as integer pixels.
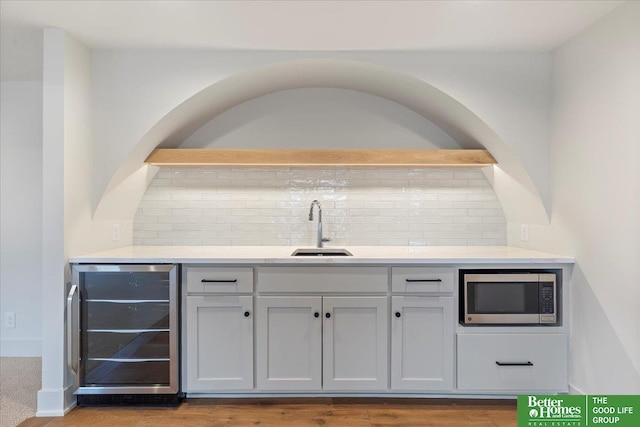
{"type": "Point", "coordinates": [55, 403]}
{"type": "Point", "coordinates": [20, 348]}
{"type": "Point", "coordinates": [575, 390]}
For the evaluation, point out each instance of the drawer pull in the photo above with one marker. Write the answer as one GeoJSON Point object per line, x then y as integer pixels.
{"type": "Point", "coordinates": [514, 363]}
{"type": "Point", "coordinates": [423, 280]}
{"type": "Point", "coordinates": [219, 280]}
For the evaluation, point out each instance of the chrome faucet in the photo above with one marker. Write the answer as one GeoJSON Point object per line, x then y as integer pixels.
{"type": "Point", "coordinates": [321, 240]}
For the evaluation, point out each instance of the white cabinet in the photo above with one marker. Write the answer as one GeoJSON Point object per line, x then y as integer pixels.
{"type": "Point", "coordinates": [218, 329]}
{"type": "Point", "coordinates": [355, 343]}
{"type": "Point", "coordinates": [511, 363]}
{"type": "Point", "coordinates": [422, 329]}
{"type": "Point", "coordinates": [315, 342]}
{"type": "Point", "coordinates": [422, 340]}
{"type": "Point", "coordinates": [289, 340]}
{"type": "Point", "coordinates": [220, 343]}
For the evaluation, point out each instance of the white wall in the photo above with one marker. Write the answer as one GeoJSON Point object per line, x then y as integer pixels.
{"type": "Point", "coordinates": [21, 216]}
{"type": "Point", "coordinates": [595, 147]}
{"type": "Point", "coordinates": [320, 118]}
{"type": "Point", "coordinates": [508, 91]}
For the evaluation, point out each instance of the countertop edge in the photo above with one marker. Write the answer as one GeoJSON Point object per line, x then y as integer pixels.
{"type": "Point", "coordinates": [402, 256]}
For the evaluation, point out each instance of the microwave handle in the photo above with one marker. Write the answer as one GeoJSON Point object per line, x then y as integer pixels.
{"type": "Point", "coordinates": [514, 363]}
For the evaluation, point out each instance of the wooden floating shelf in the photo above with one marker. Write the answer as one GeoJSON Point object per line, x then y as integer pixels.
{"type": "Point", "coordinates": [319, 158]}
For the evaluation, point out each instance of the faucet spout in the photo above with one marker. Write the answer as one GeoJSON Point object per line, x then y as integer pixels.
{"type": "Point", "coordinates": [320, 240]}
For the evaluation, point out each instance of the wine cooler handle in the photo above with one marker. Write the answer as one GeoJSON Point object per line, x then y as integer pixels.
{"type": "Point", "coordinates": [73, 349]}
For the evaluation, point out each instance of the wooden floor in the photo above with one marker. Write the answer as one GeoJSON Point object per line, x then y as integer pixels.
{"type": "Point", "coordinates": [341, 412]}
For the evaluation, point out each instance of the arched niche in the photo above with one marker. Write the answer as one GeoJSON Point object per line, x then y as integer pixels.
{"type": "Point", "coordinates": [518, 195]}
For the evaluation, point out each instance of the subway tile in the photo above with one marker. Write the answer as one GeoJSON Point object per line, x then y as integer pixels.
{"type": "Point", "coordinates": [453, 212]}
{"type": "Point", "coordinates": [156, 227]}
{"type": "Point", "coordinates": [393, 242]}
{"type": "Point", "coordinates": [185, 227]}
{"type": "Point", "coordinates": [159, 182]}
{"type": "Point", "coordinates": [494, 219]}
{"type": "Point", "coordinates": [398, 206]}
{"type": "Point", "coordinates": [448, 242]}
{"type": "Point", "coordinates": [156, 212]}
{"type": "Point", "coordinates": [215, 198]}
{"type": "Point", "coordinates": [453, 183]}
{"type": "Point", "coordinates": [453, 197]}
{"type": "Point", "coordinates": [186, 242]}
{"type": "Point", "coordinates": [479, 183]}
{"type": "Point", "coordinates": [481, 196]}
{"type": "Point", "coordinates": [439, 174]}
{"type": "Point", "coordinates": [492, 205]}
{"type": "Point", "coordinates": [147, 234]}
{"type": "Point", "coordinates": [364, 242]}
{"type": "Point", "coordinates": [172, 219]}
{"type": "Point", "coordinates": [185, 182]}
{"type": "Point", "coordinates": [156, 242]}
{"type": "Point", "coordinates": [156, 204]}
{"type": "Point", "coordinates": [156, 195]}
{"type": "Point", "coordinates": [186, 211]}
{"type": "Point", "coordinates": [216, 242]}
{"type": "Point", "coordinates": [484, 212]}
{"type": "Point", "coordinates": [482, 227]}
{"type": "Point", "coordinates": [145, 219]}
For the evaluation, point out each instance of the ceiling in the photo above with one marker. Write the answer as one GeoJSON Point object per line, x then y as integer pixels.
{"type": "Point", "coordinates": [455, 25]}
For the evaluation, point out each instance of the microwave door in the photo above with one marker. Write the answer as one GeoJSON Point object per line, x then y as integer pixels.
{"type": "Point", "coordinates": [502, 299]}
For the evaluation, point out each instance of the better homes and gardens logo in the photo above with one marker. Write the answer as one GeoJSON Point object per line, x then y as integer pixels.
{"type": "Point", "coordinates": [551, 410]}
{"type": "Point", "coordinates": [578, 411]}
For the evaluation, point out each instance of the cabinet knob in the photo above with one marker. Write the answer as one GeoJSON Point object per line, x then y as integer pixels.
{"type": "Point", "coordinates": [247, 314]}
{"type": "Point", "coordinates": [328, 315]}
{"type": "Point", "coordinates": [316, 314]}
{"type": "Point", "coordinates": [398, 314]}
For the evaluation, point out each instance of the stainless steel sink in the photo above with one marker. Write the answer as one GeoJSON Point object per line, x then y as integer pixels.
{"type": "Point", "coordinates": [321, 252]}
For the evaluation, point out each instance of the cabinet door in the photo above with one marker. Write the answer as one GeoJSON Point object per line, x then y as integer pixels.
{"type": "Point", "coordinates": [422, 343]}
{"type": "Point", "coordinates": [355, 343]}
{"type": "Point", "coordinates": [219, 343]}
{"type": "Point", "coordinates": [289, 343]}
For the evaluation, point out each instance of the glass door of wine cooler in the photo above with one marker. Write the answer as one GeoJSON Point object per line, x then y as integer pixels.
{"type": "Point", "coordinates": [128, 328]}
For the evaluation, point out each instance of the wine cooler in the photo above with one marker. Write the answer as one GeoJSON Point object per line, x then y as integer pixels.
{"type": "Point", "coordinates": [122, 325]}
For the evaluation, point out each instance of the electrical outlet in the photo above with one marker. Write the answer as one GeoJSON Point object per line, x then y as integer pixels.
{"type": "Point", "coordinates": [10, 319]}
{"type": "Point", "coordinates": [115, 232]}
{"type": "Point", "coordinates": [524, 232]}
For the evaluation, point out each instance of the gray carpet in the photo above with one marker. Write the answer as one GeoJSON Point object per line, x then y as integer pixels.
{"type": "Point", "coordinates": [20, 380]}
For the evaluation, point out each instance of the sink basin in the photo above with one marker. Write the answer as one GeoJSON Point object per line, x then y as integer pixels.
{"type": "Point", "coordinates": [321, 252]}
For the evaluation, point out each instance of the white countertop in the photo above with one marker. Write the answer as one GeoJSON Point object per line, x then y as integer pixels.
{"type": "Point", "coordinates": [361, 255]}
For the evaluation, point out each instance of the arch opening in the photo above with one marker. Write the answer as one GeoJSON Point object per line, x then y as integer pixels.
{"type": "Point", "coordinates": [517, 193]}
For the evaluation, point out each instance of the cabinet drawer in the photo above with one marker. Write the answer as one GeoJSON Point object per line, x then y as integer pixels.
{"type": "Point", "coordinates": [322, 279]}
{"type": "Point", "coordinates": [219, 279]}
{"type": "Point", "coordinates": [512, 362]}
{"type": "Point", "coordinates": [422, 279]}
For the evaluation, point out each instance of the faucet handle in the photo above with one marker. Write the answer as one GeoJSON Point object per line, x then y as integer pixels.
{"type": "Point", "coordinates": [326, 239]}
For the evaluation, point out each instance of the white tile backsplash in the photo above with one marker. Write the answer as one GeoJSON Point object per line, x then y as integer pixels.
{"type": "Point", "coordinates": [380, 207]}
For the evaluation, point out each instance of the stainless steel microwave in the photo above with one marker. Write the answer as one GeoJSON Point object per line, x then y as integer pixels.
{"type": "Point", "coordinates": [509, 297]}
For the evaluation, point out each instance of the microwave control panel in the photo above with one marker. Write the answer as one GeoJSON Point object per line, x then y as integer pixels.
{"type": "Point", "coordinates": [548, 306]}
